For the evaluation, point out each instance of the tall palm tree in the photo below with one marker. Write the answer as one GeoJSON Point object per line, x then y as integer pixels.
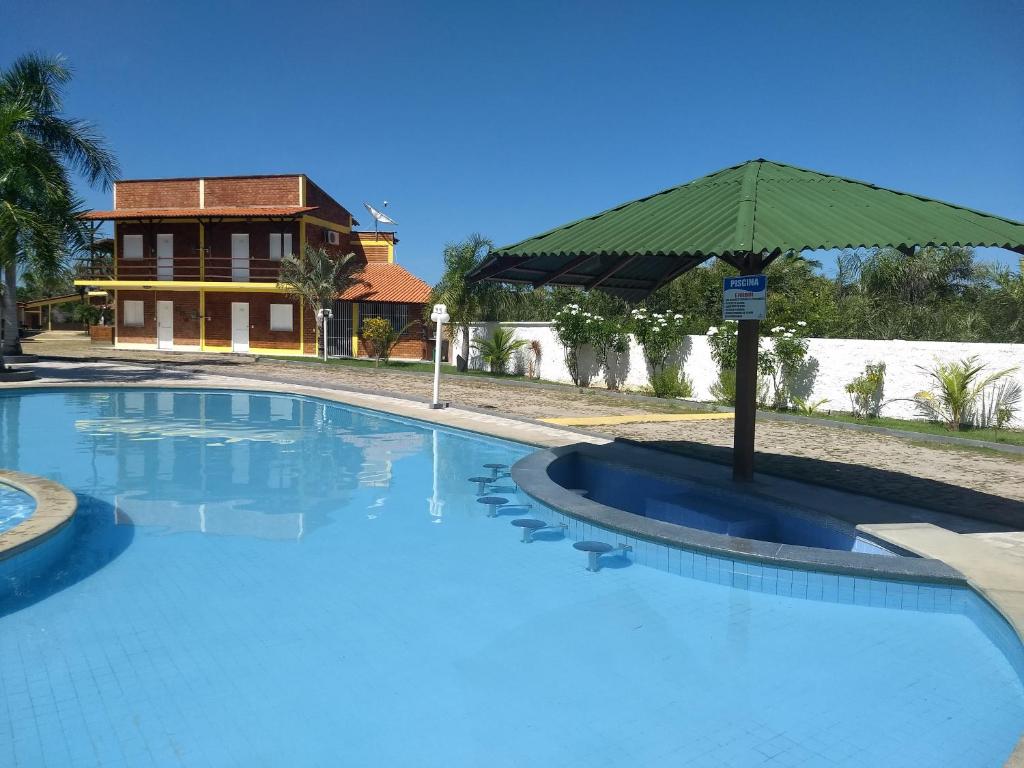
{"type": "Point", "coordinates": [39, 149]}
{"type": "Point", "coordinates": [468, 302]}
{"type": "Point", "coordinates": [319, 278]}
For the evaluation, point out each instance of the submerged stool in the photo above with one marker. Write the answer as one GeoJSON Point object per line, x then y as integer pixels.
{"type": "Point", "coordinates": [493, 502]}
{"type": "Point", "coordinates": [531, 526]}
{"type": "Point", "coordinates": [482, 482]}
{"type": "Point", "coordinates": [595, 549]}
{"type": "Point", "coordinates": [495, 468]}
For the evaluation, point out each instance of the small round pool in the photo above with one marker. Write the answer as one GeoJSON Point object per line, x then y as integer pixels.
{"type": "Point", "coordinates": [15, 506]}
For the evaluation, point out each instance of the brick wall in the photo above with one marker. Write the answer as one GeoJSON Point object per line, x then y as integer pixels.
{"type": "Point", "coordinates": [328, 207]}
{"type": "Point", "coordinates": [412, 345]}
{"type": "Point", "coordinates": [186, 317]}
{"type": "Point", "coordinates": [315, 237]}
{"type": "Point", "coordinates": [218, 324]}
{"type": "Point", "coordinates": [167, 193]}
{"type": "Point", "coordinates": [367, 248]}
{"type": "Point", "coordinates": [251, 190]}
{"type": "Point", "coordinates": [186, 250]}
{"type": "Point", "coordinates": [218, 240]}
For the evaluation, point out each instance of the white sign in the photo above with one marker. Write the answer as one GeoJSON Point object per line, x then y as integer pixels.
{"type": "Point", "coordinates": [744, 298]}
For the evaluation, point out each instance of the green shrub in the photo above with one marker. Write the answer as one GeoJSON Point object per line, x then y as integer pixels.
{"type": "Point", "coordinates": [724, 389]}
{"type": "Point", "coordinates": [671, 382]}
{"type": "Point", "coordinates": [381, 338]}
{"type": "Point", "coordinates": [866, 391]}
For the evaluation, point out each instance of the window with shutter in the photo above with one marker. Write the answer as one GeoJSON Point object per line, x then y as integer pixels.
{"type": "Point", "coordinates": [133, 315]}
{"type": "Point", "coordinates": [281, 317]}
{"type": "Point", "coordinates": [132, 247]}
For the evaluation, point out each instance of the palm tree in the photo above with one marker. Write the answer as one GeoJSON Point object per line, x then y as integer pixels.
{"type": "Point", "coordinates": [467, 302]}
{"type": "Point", "coordinates": [39, 149]}
{"type": "Point", "coordinates": [319, 278]}
{"type": "Point", "coordinates": [499, 349]}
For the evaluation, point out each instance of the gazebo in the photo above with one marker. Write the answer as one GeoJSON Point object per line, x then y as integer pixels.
{"type": "Point", "coordinates": [746, 215]}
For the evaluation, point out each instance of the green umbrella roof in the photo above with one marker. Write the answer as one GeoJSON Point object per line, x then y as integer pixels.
{"type": "Point", "coordinates": [759, 206]}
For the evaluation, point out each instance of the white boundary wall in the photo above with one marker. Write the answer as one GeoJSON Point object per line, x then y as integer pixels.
{"type": "Point", "coordinates": [838, 362]}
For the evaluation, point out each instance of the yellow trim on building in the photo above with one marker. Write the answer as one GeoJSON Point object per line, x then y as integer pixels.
{"type": "Point", "coordinates": [186, 285]}
{"type": "Point", "coordinates": [278, 352]}
{"type": "Point", "coordinates": [355, 328]}
{"type": "Point", "coordinates": [257, 351]}
{"type": "Point", "coordinates": [327, 224]}
{"type": "Point", "coordinates": [366, 243]}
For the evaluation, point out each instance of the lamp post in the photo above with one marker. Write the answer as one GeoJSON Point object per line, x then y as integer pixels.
{"type": "Point", "coordinates": [439, 316]}
{"type": "Point", "coordinates": [325, 315]}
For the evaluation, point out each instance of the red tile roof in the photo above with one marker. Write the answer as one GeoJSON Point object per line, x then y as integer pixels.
{"type": "Point", "coordinates": [192, 213]}
{"type": "Point", "coordinates": [388, 282]}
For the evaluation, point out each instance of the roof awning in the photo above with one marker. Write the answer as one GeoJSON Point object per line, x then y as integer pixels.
{"type": "Point", "coordinates": [253, 212]}
{"type": "Point", "coordinates": [759, 207]}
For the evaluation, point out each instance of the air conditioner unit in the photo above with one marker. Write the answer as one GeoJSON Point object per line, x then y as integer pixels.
{"type": "Point", "coordinates": [331, 237]}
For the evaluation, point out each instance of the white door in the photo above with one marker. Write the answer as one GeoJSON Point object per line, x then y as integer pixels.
{"type": "Point", "coordinates": [239, 326]}
{"type": "Point", "coordinates": [240, 258]}
{"type": "Point", "coordinates": [165, 325]}
{"type": "Point", "coordinates": [165, 257]}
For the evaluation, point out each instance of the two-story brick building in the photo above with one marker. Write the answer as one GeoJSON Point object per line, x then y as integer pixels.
{"type": "Point", "coordinates": [196, 263]}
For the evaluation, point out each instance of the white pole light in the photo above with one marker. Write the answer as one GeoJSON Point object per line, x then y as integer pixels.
{"type": "Point", "coordinates": [439, 316]}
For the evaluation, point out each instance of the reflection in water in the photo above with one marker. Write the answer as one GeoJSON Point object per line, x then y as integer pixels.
{"type": "Point", "coordinates": [238, 464]}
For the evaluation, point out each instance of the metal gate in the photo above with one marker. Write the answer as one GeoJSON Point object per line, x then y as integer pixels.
{"type": "Point", "coordinates": [339, 330]}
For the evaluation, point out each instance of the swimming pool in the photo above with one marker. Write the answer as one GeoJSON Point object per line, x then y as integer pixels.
{"type": "Point", "coordinates": [271, 580]}
{"type": "Point", "coordinates": [15, 506]}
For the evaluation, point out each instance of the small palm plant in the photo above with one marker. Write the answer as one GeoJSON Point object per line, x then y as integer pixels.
{"type": "Point", "coordinates": [499, 348]}
{"type": "Point", "coordinates": [956, 389]}
{"type": "Point", "coordinates": [318, 279]}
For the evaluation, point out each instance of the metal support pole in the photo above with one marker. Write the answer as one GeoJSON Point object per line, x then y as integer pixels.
{"type": "Point", "coordinates": [746, 387]}
{"type": "Point", "coordinates": [323, 335]}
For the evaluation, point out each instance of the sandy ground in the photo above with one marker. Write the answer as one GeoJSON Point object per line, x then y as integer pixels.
{"type": "Point", "coordinates": [965, 482]}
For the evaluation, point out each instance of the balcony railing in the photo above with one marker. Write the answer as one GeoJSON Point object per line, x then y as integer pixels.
{"type": "Point", "coordinates": [212, 268]}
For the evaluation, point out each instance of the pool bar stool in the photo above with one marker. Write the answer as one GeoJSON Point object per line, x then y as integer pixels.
{"type": "Point", "coordinates": [493, 502]}
{"type": "Point", "coordinates": [482, 483]}
{"type": "Point", "coordinates": [531, 525]}
{"type": "Point", "coordinates": [595, 549]}
{"type": "Point", "coordinates": [497, 469]}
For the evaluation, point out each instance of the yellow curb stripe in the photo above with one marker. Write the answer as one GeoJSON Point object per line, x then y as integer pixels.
{"type": "Point", "coordinates": [636, 418]}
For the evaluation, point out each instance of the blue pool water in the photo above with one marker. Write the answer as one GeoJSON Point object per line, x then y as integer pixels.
{"type": "Point", "coordinates": [684, 502]}
{"type": "Point", "coordinates": [272, 581]}
{"type": "Point", "coordinates": [15, 507]}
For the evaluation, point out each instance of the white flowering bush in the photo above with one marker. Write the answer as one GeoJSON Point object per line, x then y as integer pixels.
{"type": "Point", "coordinates": [574, 328]}
{"type": "Point", "coordinates": [784, 360]}
{"type": "Point", "coordinates": [658, 333]}
{"type": "Point", "coordinates": [781, 354]}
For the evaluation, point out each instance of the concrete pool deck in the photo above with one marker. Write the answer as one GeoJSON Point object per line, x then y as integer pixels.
{"type": "Point", "coordinates": [990, 556]}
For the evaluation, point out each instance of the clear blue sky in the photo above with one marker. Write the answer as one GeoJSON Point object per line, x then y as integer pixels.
{"type": "Point", "coordinates": [509, 118]}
